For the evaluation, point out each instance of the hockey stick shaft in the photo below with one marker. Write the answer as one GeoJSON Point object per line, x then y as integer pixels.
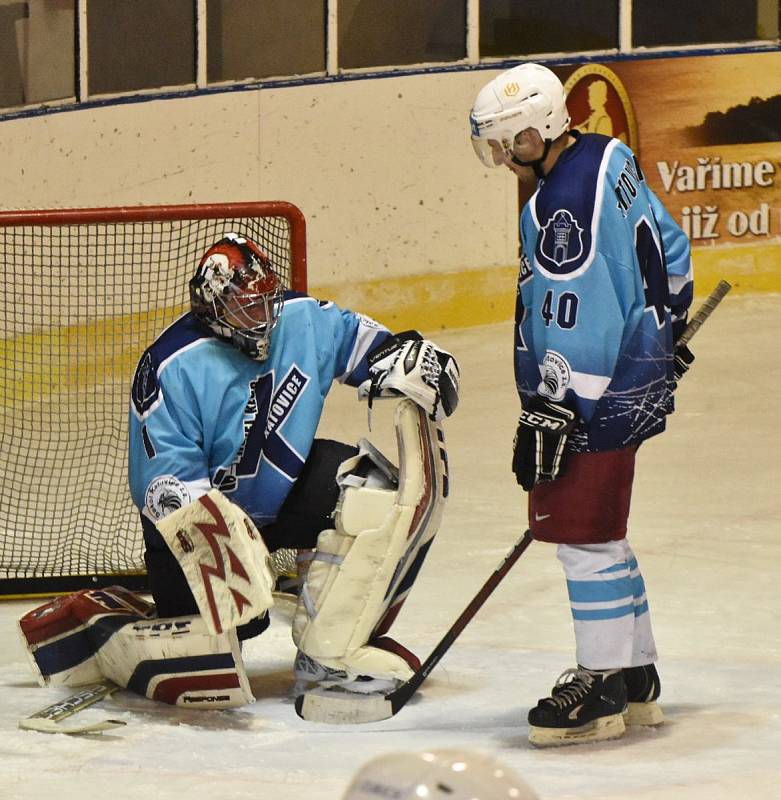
{"type": "Point", "coordinates": [703, 312]}
{"type": "Point", "coordinates": [400, 696]}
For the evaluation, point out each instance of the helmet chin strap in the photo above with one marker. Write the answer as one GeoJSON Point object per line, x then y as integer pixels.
{"type": "Point", "coordinates": [536, 165]}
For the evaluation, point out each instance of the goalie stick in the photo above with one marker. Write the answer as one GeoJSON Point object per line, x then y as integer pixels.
{"type": "Point", "coordinates": [333, 706]}
{"type": "Point", "coordinates": [47, 719]}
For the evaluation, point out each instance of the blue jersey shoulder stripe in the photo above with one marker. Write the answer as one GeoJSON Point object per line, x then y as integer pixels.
{"type": "Point", "coordinates": [176, 337]}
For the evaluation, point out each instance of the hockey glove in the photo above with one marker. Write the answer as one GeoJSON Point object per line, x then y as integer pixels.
{"type": "Point", "coordinates": [683, 358]}
{"type": "Point", "coordinates": [542, 433]}
{"type": "Point", "coordinates": [407, 365]}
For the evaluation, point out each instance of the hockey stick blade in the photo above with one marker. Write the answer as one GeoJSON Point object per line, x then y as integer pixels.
{"type": "Point", "coordinates": [343, 708]}
{"type": "Point", "coordinates": [336, 706]}
{"type": "Point", "coordinates": [49, 726]}
{"type": "Point", "coordinates": [47, 719]}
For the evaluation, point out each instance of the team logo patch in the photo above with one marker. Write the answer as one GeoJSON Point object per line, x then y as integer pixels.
{"type": "Point", "coordinates": [145, 385]}
{"type": "Point", "coordinates": [166, 494]}
{"type": "Point", "coordinates": [555, 376]}
{"type": "Point", "coordinates": [560, 246]}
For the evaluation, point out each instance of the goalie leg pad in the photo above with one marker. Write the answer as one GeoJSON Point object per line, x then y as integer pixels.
{"type": "Point", "coordinates": [223, 557]}
{"type": "Point", "coordinates": [177, 661]}
{"type": "Point", "coordinates": [60, 637]}
{"type": "Point", "coordinates": [85, 637]}
{"type": "Point", "coordinates": [362, 571]}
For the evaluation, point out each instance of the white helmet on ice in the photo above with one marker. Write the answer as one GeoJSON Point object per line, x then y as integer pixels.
{"type": "Point", "coordinates": [526, 96]}
{"type": "Point", "coordinates": [437, 775]}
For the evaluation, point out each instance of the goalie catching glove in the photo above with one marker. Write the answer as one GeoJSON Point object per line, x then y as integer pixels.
{"type": "Point", "coordinates": [542, 433]}
{"type": "Point", "coordinates": [407, 365]}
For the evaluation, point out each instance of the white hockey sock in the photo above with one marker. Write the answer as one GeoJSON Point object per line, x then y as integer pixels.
{"type": "Point", "coordinates": [644, 647]}
{"type": "Point", "coordinates": [609, 607]}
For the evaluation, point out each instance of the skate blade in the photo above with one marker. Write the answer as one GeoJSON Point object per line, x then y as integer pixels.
{"type": "Point", "coordinates": [643, 714]}
{"type": "Point", "coordinates": [342, 708]}
{"type": "Point", "coordinates": [599, 730]}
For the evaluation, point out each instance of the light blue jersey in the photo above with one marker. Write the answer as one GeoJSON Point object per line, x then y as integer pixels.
{"type": "Point", "coordinates": [603, 292]}
{"type": "Point", "coordinates": [205, 415]}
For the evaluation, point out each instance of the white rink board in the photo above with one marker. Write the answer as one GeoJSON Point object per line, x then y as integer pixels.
{"type": "Point", "coordinates": [383, 169]}
{"type": "Point", "coordinates": [705, 527]}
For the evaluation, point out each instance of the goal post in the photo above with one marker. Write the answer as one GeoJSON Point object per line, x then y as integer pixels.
{"type": "Point", "coordinates": [83, 292]}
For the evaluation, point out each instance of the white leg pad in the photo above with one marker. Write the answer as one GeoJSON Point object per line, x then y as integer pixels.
{"type": "Point", "coordinates": [177, 661]}
{"type": "Point", "coordinates": [60, 639]}
{"type": "Point", "coordinates": [94, 634]}
{"type": "Point", "coordinates": [363, 569]}
{"type": "Point", "coordinates": [224, 559]}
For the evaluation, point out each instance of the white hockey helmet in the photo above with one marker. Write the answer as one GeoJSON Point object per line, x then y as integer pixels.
{"type": "Point", "coordinates": [236, 293]}
{"type": "Point", "coordinates": [526, 96]}
{"type": "Point", "coordinates": [437, 775]}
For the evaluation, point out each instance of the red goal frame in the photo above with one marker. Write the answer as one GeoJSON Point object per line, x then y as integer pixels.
{"type": "Point", "coordinates": [30, 581]}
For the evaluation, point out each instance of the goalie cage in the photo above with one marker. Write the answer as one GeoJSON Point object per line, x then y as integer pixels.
{"type": "Point", "coordinates": [84, 291]}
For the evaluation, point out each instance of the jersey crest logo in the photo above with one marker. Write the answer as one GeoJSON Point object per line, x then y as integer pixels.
{"type": "Point", "coordinates": [145, 385]}
{"type": "Point", "coordinates": [561, 243]}
{"type": "Point", "coordinates": [165, 494]}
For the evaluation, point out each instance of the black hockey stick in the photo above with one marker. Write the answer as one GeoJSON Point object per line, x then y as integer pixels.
{"type": "Point", "coordinates": [331, 705]}
{"type": "Point", "coordinates": [704, 311]}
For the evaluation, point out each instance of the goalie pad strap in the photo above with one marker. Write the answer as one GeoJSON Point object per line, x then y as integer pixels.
{"type": "Point", "coordinates": [363, 570]}
{"type": "Point", "coordinates": [223, 557]}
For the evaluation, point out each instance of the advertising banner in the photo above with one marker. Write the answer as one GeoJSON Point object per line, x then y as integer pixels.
{"type": "Point", "coordinates": [707, 130]}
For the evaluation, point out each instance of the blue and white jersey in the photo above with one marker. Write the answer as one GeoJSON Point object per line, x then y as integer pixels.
{"type": "Point", "coordinates": [205, 415]}
{"type": "Point", "coordinates": [603, 292]}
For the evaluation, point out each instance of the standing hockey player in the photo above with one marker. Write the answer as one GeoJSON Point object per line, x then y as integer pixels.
{"type": "Point", "coordinates": [224, 467]}
{"type": "Point", "coordinates": [603, 291]}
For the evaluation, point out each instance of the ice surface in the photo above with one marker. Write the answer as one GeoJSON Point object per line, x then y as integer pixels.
{"type": "Point", "coordinates": [705, 525]}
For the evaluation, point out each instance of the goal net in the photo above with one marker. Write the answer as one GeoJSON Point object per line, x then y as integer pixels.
{"type": "Point", "coordinates": [83, 293]}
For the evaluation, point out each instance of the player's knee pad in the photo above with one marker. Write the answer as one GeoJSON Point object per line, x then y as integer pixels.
{"type": "Point", "coordinates": [112, 633]}
{"type": "Point", "coordinates": [362, 571]}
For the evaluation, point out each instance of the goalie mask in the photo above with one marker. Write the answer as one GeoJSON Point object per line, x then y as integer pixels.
{"type": "Point", "coordinates": [445, 774]}
{"type": "Point", "coordinates": [236, 293]}
{"type": "Point", "coordinates": [526, 96]}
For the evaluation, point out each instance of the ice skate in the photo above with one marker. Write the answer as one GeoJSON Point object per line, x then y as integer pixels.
{"type": "Point", "coordinates": [311, 674]}
{"type": "Point", "coordinates": [642, 691]}
{"type": "Point", "coordinates": [584, 706]}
